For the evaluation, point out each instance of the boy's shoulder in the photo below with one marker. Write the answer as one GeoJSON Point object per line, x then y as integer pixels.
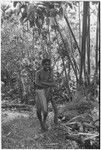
{"type": "Point", "coordinates": [42, 71]}
{"type": "Point", "coordinates": [39, 71]}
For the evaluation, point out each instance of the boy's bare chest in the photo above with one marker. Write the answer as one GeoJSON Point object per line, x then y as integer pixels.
{"type": "Point", "coordinates": [44, 76]}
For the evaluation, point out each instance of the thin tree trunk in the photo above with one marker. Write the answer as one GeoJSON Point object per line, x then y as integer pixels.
{"type": "Point", "coordinates": [68, 69]}
{"type": "Point", "coordinates": [67, 82]}
{"type": "Point", "coordinates": [72, 56]}
{"type": "Point", "coordinates": [71, 47]}
{"type": "Point", "coordinates": [72, 33]}
{"type": "Point", "coordinates": [97, 40]}
{"type": "Point", "coordinates": [84, 38]}
{"type": "Point", "coordinates": [49, 40]}
{"type": "Point", "coordinates": [33, 41]}
{"type": "Point", "coordinates": [74, 69]}
{"type": "Point", "coordinates": [79, 27]}
{"type": "Point", "coordinates": [68, 89]}
{"type": "Point", "coordinates": [88, 47]}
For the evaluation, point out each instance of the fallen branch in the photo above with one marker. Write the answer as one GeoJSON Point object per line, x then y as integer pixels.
{"type": "Point", "coordinates": [91, 137]}
{"type": "Point", "coordinates": [82, 141]}
{"type": "Point", "coordinates": [79, 116]}
{"type": "Point", "coordinates": [71, 123]}
{"type": "Point", "coordinates": [88, 125]}
{"type": "Point", "coordinates": [85, 134]}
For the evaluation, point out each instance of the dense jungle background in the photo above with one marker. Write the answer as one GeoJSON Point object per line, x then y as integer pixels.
{"type": "Point", "coordinates": [68, 33]}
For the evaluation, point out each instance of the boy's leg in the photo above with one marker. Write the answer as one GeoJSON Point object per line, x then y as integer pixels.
{"type": "Point", "coordinates": [41, 108]}
{"type": "Point", "coordinates": [49, 94]}
{"type": "Point", "coordinates": [39, 115]}
{"type": "Point", "coordinates": [55, 111]}
{"type": "Point", "coordinates": [44, 119]}
{"type": "Point", "coordinates": [45, 108]}
{"type": "Point", "coordinates": [38, 107]}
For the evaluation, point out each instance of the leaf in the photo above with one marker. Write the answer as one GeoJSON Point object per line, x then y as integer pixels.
{"type": "Point", "coordinates": [48, 5]}
{"type": "Point", "coordinates": [24, 15]}
{"type": "Point", "coordinates": [70, 5]}
{"type": "Point", "coordinates": [15, 3]}
{"type": "Point", "coordinates": [5, 7]}
{"type": "Point", "coordinates": [60, 11]}
{"type": "Point", "coordinates": [23, 6]}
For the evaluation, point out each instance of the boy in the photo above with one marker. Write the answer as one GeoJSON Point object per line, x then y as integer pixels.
{"type": "Point", "coordinates": [44, 83]}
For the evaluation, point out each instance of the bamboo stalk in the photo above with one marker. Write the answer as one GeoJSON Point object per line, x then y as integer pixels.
{"type": "Point", "coordinates": [74, 69]}
{"type": "Point", "coordinates": [72, 33]}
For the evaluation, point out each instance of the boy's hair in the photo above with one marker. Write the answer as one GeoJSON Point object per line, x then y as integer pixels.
{"type": "Point", "coordinates": [45, 60]}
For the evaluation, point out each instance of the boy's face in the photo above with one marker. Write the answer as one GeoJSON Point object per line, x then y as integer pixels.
{"type": "Point", "coordinates": [47, 66]}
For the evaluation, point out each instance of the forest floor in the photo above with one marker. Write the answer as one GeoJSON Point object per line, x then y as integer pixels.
{"type": "Point", "coordinates": [21, 130]}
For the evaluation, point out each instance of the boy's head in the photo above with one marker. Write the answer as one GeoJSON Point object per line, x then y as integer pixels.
{"type": "Point", "coordinates": [46, 63]}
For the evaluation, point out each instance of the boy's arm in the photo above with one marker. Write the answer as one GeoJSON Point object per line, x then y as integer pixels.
{"type": "Point", "coordinates": [51, 82]}
{"type": "Point", "coordinates": [37, 80]}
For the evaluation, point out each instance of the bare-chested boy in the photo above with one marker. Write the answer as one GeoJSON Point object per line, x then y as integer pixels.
{"type": "Point", "coordinates": [44, 84]}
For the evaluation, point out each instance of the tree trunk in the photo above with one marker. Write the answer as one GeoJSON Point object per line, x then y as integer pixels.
{"type": "Point", "coordinates": [68, 70]}
{"type": "Point", "coordinates": [72, 33]}
{"type": "Point", "coordinates": [67, 82]}
{"type": "Point", "coordinates": [79, 27]}
{"type": "Point", "coordinates": [49, 41]}
{"type": "Point", "coordinates": [97, 41]}
{"type": "Point", "coordinates": [88, 47]}
{"type": "Point", "coordinates": [84, 39]}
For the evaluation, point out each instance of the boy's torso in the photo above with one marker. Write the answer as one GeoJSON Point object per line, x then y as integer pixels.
{"type": "Point", "coordinates": [45, 76]}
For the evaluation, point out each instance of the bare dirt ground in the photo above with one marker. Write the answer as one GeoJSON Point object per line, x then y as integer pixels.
{"type": "Point", "coordinates": [21, 130]}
